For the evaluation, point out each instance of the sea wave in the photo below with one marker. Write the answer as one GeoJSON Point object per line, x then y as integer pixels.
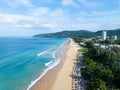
{"type": "Point", "coordinates": [51, 63]}
{"type": "Point", "coordinates": [48, 63]}
{"type": "Point", "coordinates": [41, 53]}
{"type": "Point", "coordinates": [44, 72]}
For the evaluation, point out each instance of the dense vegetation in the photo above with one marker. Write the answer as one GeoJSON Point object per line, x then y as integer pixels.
{"type": "Point", "coordinates": [66, 34]}
{"type": "Point", "coordinates": [102, 70]}
{"type": "Point", "coordinates": [79, 33]}
{"type": "Point", "coordinates": [117, 41]}
{"type": "Point", "coordinates": [107, 41]}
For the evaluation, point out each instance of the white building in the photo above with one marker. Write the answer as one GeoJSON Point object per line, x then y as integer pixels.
{"type": "Point", "coordinates": [114, 37]}
{"type": "Point", "coordinates": [104, 35]}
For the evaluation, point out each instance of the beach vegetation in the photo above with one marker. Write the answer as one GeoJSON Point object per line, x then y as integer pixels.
{"type": "Point", "coordinates": [102, 70]}
{"type": "Point", "coordinates": [82, 50]}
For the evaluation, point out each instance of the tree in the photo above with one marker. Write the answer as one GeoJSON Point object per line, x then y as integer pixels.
{"type": "Point", "coordinates": [97, 84]}
{"type": "Point", "coordinates": [102, 65]}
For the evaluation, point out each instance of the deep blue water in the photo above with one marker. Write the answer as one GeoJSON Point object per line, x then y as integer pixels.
{"type": "Point", "coordinates": [22, 60]}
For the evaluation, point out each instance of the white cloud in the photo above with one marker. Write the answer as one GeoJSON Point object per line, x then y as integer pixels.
{"type": "Point", "coordinates": [19, 21]}
{"type": "Point", "coordinates": [80, 19]}
{"type": "Point", "coordinates": [25, 2]}
{"type": "Point", "coordinates": [13, 19]}
{"type": "Point", "coordinates": [44, 19]}
{"type": "Point", "coordinates": [38, 11]}
{"type": "Point", "coordinates": [51, 26]}
{"type": "Point", "coordinates": [57, 12]}
{"type": "Point", "coordinates": [26, 22]}
{"type": "Point", "coordinates": [23, 26]}
{"type": "Point", "coordinates": [52, 20]}
{"type": "Point", "coordinates": [18, 3]}
{"type": "Point", "coordinates": [96, 13]}
{"type": "Point", "coordinates": [90, 4]}
{"type": "Point", "coordinates": [47, 1]}
{"type": "Point", "coordinates": [69, 3]}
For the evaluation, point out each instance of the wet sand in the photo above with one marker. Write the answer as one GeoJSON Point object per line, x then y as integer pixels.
{"type": "Point", "coordinates": [59, 78]}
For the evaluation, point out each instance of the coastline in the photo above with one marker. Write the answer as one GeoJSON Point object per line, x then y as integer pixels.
{"type": "Point", "coordinates": [53, 77]}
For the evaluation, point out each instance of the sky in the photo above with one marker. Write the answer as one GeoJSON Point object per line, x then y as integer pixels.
{"type": "Point", "coordinates": [30, 17]}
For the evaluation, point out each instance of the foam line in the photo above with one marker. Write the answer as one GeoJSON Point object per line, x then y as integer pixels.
{"type": "Point", "coordinates": [41, 53]}
{"type": "Point", "coordinates": [57, 61]}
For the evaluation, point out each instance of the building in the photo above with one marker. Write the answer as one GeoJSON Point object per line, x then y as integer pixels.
{"type": "Point", "coordinates": [104, 35]}
{"type": "Point", "coordinates": [114, 37]}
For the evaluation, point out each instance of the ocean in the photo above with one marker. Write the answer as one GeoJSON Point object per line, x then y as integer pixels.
{"type": "Point", "coordinates": [24, 60]}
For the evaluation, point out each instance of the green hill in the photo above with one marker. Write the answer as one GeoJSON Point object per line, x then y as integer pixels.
{"type": "Point", "coordinates": [79, 33]}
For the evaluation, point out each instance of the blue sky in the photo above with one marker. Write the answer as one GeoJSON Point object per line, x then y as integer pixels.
{"type": "Point", "coordinates": [30, 17]}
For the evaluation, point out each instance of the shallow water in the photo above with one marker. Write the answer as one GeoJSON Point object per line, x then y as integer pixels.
{"type": "Point", "coordinates": [22, 60]}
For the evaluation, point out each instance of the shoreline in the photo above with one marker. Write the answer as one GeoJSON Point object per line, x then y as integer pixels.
{"type": "Point", "coordinates": [57, 57]}
{"type": "Point", "coordinates": [48, 80]}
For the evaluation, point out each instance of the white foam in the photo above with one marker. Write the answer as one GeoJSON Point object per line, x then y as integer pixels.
{"type": "Point", "coordinates": [41, 53]}
{"type": "Point", "coordinates": [45, 71]}
{"type": "Point", "coordinates": [50, 67]}
{"type": "Point", "coordinates": [48, 63]}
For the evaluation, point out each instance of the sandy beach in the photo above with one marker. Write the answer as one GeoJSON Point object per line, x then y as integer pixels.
{"type": "Point", "coordinates": [59, 78]}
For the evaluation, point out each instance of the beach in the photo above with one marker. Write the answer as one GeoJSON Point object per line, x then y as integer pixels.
{"type": "Point", "coordinates": [59, 78]}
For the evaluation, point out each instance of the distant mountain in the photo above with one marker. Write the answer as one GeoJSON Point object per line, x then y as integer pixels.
{"type": "Point", "coordinates": [79, 33]}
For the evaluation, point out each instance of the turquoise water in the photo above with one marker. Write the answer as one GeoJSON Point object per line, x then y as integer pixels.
{"type": "Point", "coordinates": [22, 60]}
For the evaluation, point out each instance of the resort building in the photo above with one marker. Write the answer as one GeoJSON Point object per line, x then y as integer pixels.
{"type": "Point", "coordinates": [104, 35]}
{"type": "Point", "coordinates": [114, 37]}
